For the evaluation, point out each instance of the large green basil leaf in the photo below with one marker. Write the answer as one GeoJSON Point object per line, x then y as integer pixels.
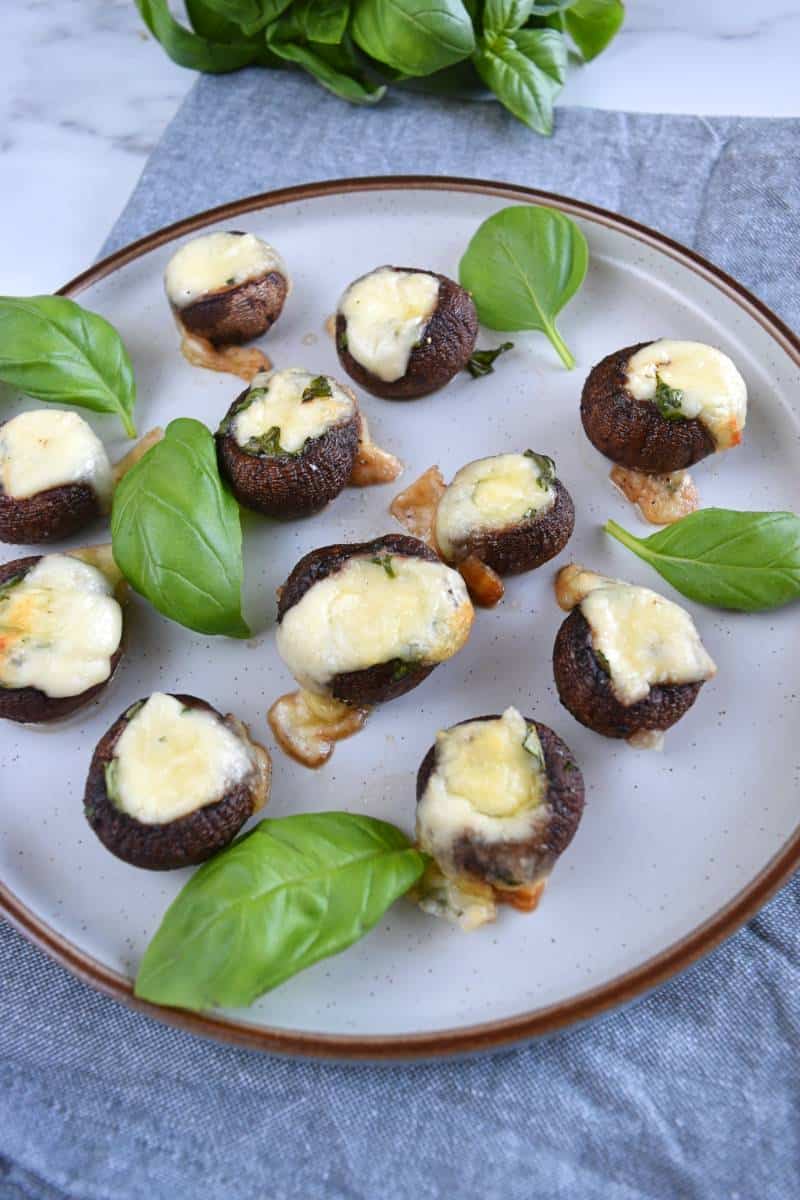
{"type": "Point", "coordinates": [290, 892]}
{"type": "Point", "coordinates": [415, 37]}
{"type": "Point", "coordinates": [522, 266]}
{"type": "Point", "coordinates": [334, 68]}
{"type": "Point", "coordinates": [504, 16]}
{"type": "Point", "coordinates": [312, 21]}
{"type": "Point", "coordinates": [175, 532]}
{"type": "Point", "coordinates": [54, 350]}
{"type": "Point", "coordinates": [592, 24]}
{"type": "Point", "coordinates": [526, 71]}
{"type": "Point", "coordinates": [741, 560]}
{"type": "Point", "coordinates": [190, 49]}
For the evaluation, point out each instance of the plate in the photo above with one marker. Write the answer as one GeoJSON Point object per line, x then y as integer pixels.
{"type": "Point", "coordinates": [675, 850]}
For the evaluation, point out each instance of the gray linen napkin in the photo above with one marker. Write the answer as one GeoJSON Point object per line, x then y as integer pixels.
{"type": "Point", "coordinates": [693, 1092]}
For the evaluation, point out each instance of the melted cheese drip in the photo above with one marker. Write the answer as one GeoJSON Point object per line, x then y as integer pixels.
{"type": "Point", "coordinates": [492, 493]}
{"type": "Point", "coordinates": [644, 638]}
{"type": "Point", "coordinates": [386, 313]}
{"type": "Point", "coordinates": [282, 405]}
{"type": "Point", "coordinates": [171, 760]}
{"type": "Point", "coordinates": [713, 390]}
{"type": "Point", "coordinates": [46, 448]}
{"type": "Point", "coordinates": [59, 628]}
{"type": "Point", "coordinates": [361, 616]}
{"type": "Point", "coordinates": [216, 261]}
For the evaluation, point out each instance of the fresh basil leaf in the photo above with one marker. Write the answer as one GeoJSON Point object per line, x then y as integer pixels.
{"type": "Point", "coordinates": [190, 49]}
{"type": "Point", "coordinates": [288, 893]}
{"type": "Point", "coordinates": [332, 67]}
{"type": "Point", "coordinates": [592, 24]}
{"type": "Point", "coordinates": [416, 37]}
{"type": "Point", "coordinates": [504, 16]}
{"type": "Point", "coordinates": [741, 560]}
{"type": "Point", "coordinates": [175, 532]}
{"type": "Point", "coordinates": [522, 266]}
{"type": "Point", "coordinates": [481, 362]}
{"type": "Point", "coordinates": [312, 21]}
{"type": "Point", "coordinates": [54, 350]}
{"type": "Point", "coordinates": [237, 12]}
{"type": "Point", "coordinates": [270, 11]}
{"type": "Point", "coordinates": [526, 71]}
{"type": "Point", "coordinates": [209, 23]}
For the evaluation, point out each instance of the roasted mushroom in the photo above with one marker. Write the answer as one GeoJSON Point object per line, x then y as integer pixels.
{"type": "Point", "coordinates": [403, 332]}
{"type": "Point", "coordinates": [173, 781]}
{"type": "Point", "coordinates": [365, 623]}
{"type": "Point", "coordinates": [661, 406]}
{"type": "Point", "coordinates": [628, 663]}
{"type": "Point", "coordinates": [498, 800]}
{"type": "Point", "coordinates": [60, 636]}
{"type": "Point", "coordinates": [288, 444]}
{"type": "Point", "coordinates": [55, 475]}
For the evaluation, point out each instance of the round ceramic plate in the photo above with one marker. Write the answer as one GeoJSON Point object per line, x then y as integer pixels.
{"type": "Point", "coordinates": [675, 849]}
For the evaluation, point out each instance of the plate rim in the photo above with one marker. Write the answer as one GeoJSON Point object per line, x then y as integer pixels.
{"type": "Point", "coordinates": [489, 1035]}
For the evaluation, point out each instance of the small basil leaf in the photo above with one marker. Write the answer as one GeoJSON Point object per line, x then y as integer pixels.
{"type": "Point", "coordinates": [415, 37]}
{"type": "Point", "coordinates": [522, 266]}
{"type": "Point", "coordinates": [312, 21]}
{"type": "Point", "coordinates": [668, 401]}
{"type": "Point", "coordinates": [741, 560]}
{"type": "Point", "coordinates": [592, 24]}
{"type": "Point", "coordinates": [481, 362]}
{"type": "Point", "coordinates": [504, 16]}
{"type": "Point", "coordinates": [269, 443]}
{"type": "Point", "coordinates": [547, 469]}
{"type": "Point", "coordinates": [385, 561]}
{"type": "Point", "coordinates": [333, 67]}
{"type": "Point", "coordinates": [319, 388]}
{"type": "Point", "coordinates": [54, 350]}
{"type": "Point", "coordinates": [190, 49]}
{"type": "Point", "coordinates": [290, 892]}
{"type": "Point", "coordinates": [175, 532]}
{"type": "Point", "coordinates": [526, 71]}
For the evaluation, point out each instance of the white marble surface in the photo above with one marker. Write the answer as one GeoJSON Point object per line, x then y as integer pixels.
{"type": "Point", "coordinates": [86, 94]}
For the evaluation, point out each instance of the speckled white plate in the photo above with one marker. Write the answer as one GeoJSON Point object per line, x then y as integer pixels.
{"type": "Point", "coordinates": [675, 850]}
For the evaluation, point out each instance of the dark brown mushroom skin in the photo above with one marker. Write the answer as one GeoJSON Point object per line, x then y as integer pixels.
{"type": "Point", "coordinates": [29, 705]}
{"type": "Point", "coordinates": [522, 862]}
{"type": "Point", "coordinates": [632, 432]}
{"type": "Point", "coordinates": [383, 681]}
{"type": "Point", "coordinates": [528, 544]}
{"type": "Point", "coordinates": [48, 516]}
{"type": "Point", "coordinates": [444, 349]}
{"type": "Point", "coordinates": [585, 689]}
{"type": "Point", "coordinates": [289, 485]}
{"type": "Point", "coordinates": [180, 843]}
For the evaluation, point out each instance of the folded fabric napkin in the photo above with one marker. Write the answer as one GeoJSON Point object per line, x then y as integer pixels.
{"type": "Point", "coordinates": [692, 1092]}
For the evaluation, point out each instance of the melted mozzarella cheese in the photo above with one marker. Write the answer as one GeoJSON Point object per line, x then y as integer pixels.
{"type": "Point", "coordinates": [46, 448]}
{"type": "Point", "coordinates": [489, 782]}
{"type": "Point", "coordinates": [216, 261]}
{"type": "Point", "coordinates": [362, 615]}
{"type": "Point", "coordinates": [59, 628]}
{"type": "Point", "coordinates": [386, 313]}
{"type": "Point", "coordinates": [644, 638]}
{"type": "Point", "coordinates": [281, 405]}
{"type": "Point", "coordinates": [492, 493]}
{"type": "Point", "coordinates": [711, 387]}
{"type": "Point", "coordinates": [171, 760]}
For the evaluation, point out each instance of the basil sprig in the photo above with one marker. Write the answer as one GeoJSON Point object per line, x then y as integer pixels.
{"type": "Point", "coordinates": [522, 266]}
{"type": "Point", "coordinates": [286, 894]}
{"type": "Point", "coordinates": [741, 560]}
{"type": "Point", "coordinates": [175, 532]}
{"type": "Point", "coordinates": [54, 350]}
{"type": "Point", "coordinates": [481, 362]}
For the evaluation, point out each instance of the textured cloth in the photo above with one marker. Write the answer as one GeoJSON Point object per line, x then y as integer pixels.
{"type": "Point", "coordinates": [692, 1092]}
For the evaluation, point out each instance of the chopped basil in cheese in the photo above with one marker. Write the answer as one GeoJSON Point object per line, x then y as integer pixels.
{"type": "Point", "coordinates": [276, 402]}
{"type": "Point", "coordinates": [172, 759]}
{"type": "Point", "coordinates": [216, 261]}
{"type": "Point", "coordinates": [386, 313]}
{"type": "Point", "coordinates": [47, 448]}
{"type": "Point", "coordinates": [60, 626]}
{"type": "Point", "coordinates": [492, 493]}
{"type": "Point", "coordinates": [363, 614]}
{"type": "Point", "coordinates": [691, 380]}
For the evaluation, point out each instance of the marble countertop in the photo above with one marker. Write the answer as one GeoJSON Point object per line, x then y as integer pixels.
{"type": "Point", "coordinates": [88, 92]}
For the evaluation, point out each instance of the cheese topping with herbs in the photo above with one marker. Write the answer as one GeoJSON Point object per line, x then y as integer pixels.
{"type": "Point", "coordinates": [171, 760]}
{"type": "Point", "coordinates": [47, 448]}
{"type": "Point", "coordinates": [700, 381]}
{"type": "Point", "coordinates": [59, 627]}
{"type": "Point", "coordinates": [275, 402]}
{"type": "Point", "coordinates": [216, 261]}
{"type": "Point", "coordinates": [371, 611]}
{"type": "Point", "coordinates": [386, 313]}
{"type": "Point", "coordinates": [492, 493]}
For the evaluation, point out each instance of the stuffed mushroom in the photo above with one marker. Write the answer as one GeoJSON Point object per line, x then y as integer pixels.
{"type": "Point", "coordinates": [628, 663]}
{"type": "Point", "coordinates": [499, 798]}
{"type": "Point", "coordinates": [403, 332]}
{"type": "Point", "coordinates": [173, 781]}
{"type": "Point", "coordinates": [55, 474]}
{"type": "Point", "coordinates": [60, 636]}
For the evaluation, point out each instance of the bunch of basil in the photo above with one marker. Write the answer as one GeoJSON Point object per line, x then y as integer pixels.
{"type": "Point", "coordinates": [355, 48]}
